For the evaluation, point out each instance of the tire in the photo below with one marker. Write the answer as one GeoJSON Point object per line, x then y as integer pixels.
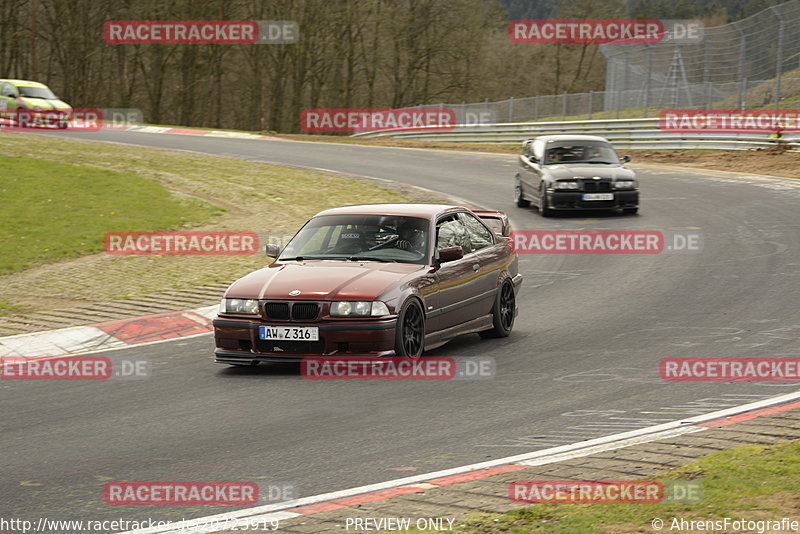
{"type": "Point", "coordinates": [409, 337]}
{"type": "Point", "coordinates": [503, 311]}
{"type": "Point", "coordinates": [518, 197]}
{"type": "Point", "coordinates": [630, 211]}
{"type": "Point", "coordinates": [544, 208]}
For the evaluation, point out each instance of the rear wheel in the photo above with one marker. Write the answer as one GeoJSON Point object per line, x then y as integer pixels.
{"type": "Point", "coordinates": [410, 331]}
{"type": "Point", "coordinates": [505, 306]}
{"type": "Point", "coordinates": [630, 211]}
{"type": "Point", "coordinates": [518, 197]}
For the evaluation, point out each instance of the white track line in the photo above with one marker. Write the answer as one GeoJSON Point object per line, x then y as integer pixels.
{"type": "Point", "coordinates": [278, 511]}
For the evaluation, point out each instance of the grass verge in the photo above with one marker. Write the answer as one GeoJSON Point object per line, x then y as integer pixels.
{"type": "Point", "coordinates": [756, 483]}
{"type": "Point", "coordinates": [193, 188]}
{"type": "Point", "coordinates": [57, 211]}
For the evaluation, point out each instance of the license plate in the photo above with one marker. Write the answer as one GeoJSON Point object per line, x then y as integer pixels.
{"type": "Point", "coordinates": [289, 333]}
{"type": "Point", "coordinates": [598, 196]}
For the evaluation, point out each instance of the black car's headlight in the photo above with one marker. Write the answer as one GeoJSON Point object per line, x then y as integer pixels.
{"type": "Point", "coordinates": [565, 185]}
{"type": "Point", "coordinates": [249, 306]}
{"type": "Point", "coordinates": [626, 184]}
{"type": "Point", "coordinates": [346, 308]}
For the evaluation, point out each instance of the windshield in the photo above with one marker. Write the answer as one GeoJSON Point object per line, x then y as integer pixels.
{"type": "Point", "coordinates": [361, 238]}
{"type": "Point", "coordinates": [582, 152]}
{"type": "Point", "coordinates": [36, 92]}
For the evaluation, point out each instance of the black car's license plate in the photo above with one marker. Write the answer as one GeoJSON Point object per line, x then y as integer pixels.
{"type": "Point", "coordinates": [598, 196]}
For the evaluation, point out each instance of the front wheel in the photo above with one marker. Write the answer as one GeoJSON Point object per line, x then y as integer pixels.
{"type": "Point", "coordinates": [410, 331]}
{"type": "Point", "coordinates": [544, 207]}
{"type": "Point", "coordinates": [518, 197]}
{"type": "Point", "coordinates": [503, 311]}
{"type": "Point", "coordinates": [630, 211]}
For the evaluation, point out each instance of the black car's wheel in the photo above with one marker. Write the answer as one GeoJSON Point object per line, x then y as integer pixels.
{"type": "Point", "coordinates": [544, 207]}
{"type": "Point", "coordinates": [505, 305]}
{"type": "Point", "coordinates": [410, 331]}
{"type": "Point", "coordinates": [630, 211]}
{"type": "Point", "coordinates": [518, 197]}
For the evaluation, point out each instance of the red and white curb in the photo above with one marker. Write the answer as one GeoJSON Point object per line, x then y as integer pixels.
{"type": "Point", "coordinates": [415, 484]}
{"type": "Point", "coordinates": [202, 133]}
{"type": "Point", "coordinates": [110, 334]}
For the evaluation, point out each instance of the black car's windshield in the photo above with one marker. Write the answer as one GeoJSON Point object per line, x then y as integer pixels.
{"type": "Point", "coordinates": [385, 238]}
{"type": "Point", "coordinates": [36, 92]}
{"type": "Point", "coordinates": [591, 152]}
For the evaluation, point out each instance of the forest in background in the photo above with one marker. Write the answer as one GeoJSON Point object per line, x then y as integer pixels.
{"type": "Point", "coordinates": [351, 53]}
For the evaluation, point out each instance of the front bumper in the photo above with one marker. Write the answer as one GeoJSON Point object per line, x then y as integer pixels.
{"type": "Point", "coordinates": [237, 340]}
{"type": "Point", "coordinates": [573, 200]}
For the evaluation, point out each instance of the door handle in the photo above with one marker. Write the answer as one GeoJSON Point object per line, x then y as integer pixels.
{"type": "Point", "coordinates": [476, 267]}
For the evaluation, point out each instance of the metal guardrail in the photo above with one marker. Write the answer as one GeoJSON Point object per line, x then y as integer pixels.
{"type": "Point", "coordinates": [622, 133]}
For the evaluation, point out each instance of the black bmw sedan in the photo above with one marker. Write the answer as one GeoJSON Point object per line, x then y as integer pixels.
{"type": "Point", "coordinates": [574, 172]}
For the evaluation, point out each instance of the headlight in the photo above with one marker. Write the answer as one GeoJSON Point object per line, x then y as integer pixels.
{"type": "Point", "coordinates": [626, 184]}
{"type": "Point", "coordinates": [238, 306]}
{"type": "Point", "coordinates": [565, 185]}
{"type": "Point", "coordinates": [358, 309]}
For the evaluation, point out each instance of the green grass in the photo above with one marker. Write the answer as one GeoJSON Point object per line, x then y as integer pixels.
{"type": "Point", "coordinates": [748, 482]}
{"type": "Point", "coordinates": [55, 211]}
{"type": "Point", "coordinates": [62, 195]}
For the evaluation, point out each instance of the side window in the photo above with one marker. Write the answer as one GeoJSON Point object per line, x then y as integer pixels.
{"type": "Point", "coordinates": [495, 224]}
{"type": "Point", "coordinates": [450, 232]}
{"type": "Point", "coordinates": [538, 149]}
{"type": "Point", "coordinates": [479, 235]}
{"type": "Point", "coordinates": [6, 90]}
{"type": "Point", "coordinates": [526, 149]}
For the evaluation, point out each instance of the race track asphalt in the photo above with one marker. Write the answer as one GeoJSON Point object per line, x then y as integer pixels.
{"type": "Point", "coordinates": [582, 361]}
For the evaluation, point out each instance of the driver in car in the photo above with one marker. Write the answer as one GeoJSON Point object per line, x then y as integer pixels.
{"type": "Point", "coordinates": [410, 239]}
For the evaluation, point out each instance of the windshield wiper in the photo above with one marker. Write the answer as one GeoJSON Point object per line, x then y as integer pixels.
{"type": "Point", "coordinates": [370, 258]}
{"type": "Point", "coordinates": [303, 258]}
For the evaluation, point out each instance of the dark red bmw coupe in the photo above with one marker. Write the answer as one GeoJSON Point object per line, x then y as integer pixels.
{"type": "Point", "coordinates": [380, 279]}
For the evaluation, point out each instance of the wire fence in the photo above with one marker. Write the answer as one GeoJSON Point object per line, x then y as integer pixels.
{"type": "Point", "coordinates": [750, 63]}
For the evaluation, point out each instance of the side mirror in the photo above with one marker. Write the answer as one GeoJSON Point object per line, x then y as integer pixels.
{"type": "Point", "coordinates": [625, 159]}
{"type": "Point", "coordinates": [450, 254]}
{"type": "Point", "coordinates": [272, 250]}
